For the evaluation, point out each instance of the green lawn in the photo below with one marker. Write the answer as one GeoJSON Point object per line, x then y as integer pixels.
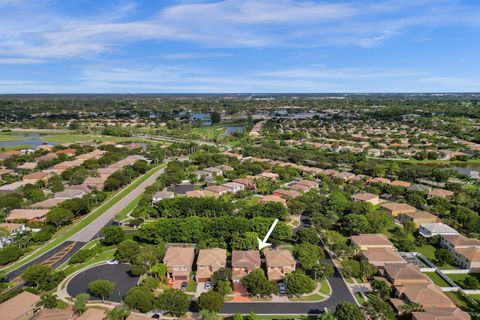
{"type": "Point", "coordinates": [122, 215]}
{"type": "Point", "coordinates": [439, 281]}
{"type": "Point", "coordinates": [359, 298]}
{"type": "Point", "coordinates": [107, 204]}
{"type": "Point", "coordinates": [325, 288]}
{"type": "Point", "coordinates": [16, 147]}
{"type": "Point", "coordinates": [428, 251]}
{"type": "Point", "coordinates": [464, 303]}
{"type": "Point", "coordinates": [72, 138]}
{"type": "Point", "coordinates": [311, 297]}
{"type": "Point", "coordinates": [215, 131]}
{"type": "Point", "coordinates": [459, 278]}
{"type": "Point", "coordinates": [105, 255]}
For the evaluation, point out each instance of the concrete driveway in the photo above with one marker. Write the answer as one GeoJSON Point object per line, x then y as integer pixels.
{"type": "Point", "coordinates": [200, 289]}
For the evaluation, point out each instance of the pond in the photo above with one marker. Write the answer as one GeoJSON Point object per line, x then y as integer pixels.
{"type": "Point", "coordinates": [463, 168]}
{"type": "Point", "coordinates": [466, 168]}
{"type": "Point", "coordinates": [204, 118]}
{"type": "Point", "coordinates": [31, 139]}
{"type": "Point", "coordinates": [233, 129]}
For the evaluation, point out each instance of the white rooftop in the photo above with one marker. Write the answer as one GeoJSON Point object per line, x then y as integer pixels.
{"type": "Point", "coordinates": [438, 228]}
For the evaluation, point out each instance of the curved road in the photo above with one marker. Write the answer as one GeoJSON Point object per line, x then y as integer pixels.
{"type": "Point", "coordinates": [120, 275]}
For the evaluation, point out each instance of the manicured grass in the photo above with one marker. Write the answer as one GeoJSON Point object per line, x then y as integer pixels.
{"type": "Point", "coordinates": [325, 288]}
{"type": "Point", "coordinates": [460, 278]}
{"type": "Point", "coordinates": [312, 297]}
{"type": "Point", "coordinates": [428, 251]}
{"type": "Point", "coordinates": [122, 215]}
{"type": "Point", "coordinates": [215, 131]}
{"type": "Point", "coordinates": [348, 280]}
{"type": "Point", "coordinates": [107, 204]}
{"type": "Point", "coordinates": [72, 138]}
{"type": "Point", "coordinates": [359, 298]}
{"type": "Point", "coordinates": [462, 302]}
{"type": "Point", "coordinates": [106, 255]}
{"type": "Point", "coordinates": [439, 281]}
{"type": "Point", "coordinates": [16, 147]}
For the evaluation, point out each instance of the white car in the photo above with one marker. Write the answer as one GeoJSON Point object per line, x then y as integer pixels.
{"type": "Point", "coordinates": [112, 262]}
{"type": "Point", "coordinates": [208, 285]}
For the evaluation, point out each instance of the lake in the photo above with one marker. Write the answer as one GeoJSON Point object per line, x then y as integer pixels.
{"type": "Point", "coordinates": [233, 129]}
{"type": "Point", "coordinates": [463, 168]}
{"type": "Point", "coordinates": [31, 139]}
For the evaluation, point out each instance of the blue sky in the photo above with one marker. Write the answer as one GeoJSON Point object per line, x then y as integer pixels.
{"type": "Point", "coordinates": [160, 46]}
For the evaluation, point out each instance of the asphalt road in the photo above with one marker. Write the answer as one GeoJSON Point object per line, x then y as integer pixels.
{"type": "Point", "coordinates": [119, 274]}
{"type": "Point", "coordinates": [55, 255]}
{"type": "Point", "coordinates": [340, 292]}
{"type": "Point", "coordinates": [91, 231]}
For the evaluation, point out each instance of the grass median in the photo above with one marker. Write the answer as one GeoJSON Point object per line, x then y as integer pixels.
{"type": "Point", "coordinates": [107, 204]}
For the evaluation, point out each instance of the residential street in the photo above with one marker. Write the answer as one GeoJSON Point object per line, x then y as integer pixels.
{"type": "Point", "coordinates": [89, 232]}
{"type": "Point", "coordinates": [340, 292]}
{"type": "Point", "coordinates": [92, 230]}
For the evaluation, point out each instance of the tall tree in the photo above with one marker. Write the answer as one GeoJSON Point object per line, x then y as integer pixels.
{"type": "Point", "coordinates": [101, 288]}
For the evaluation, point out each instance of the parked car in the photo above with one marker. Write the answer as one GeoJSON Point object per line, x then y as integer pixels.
{"type": "Point", "coordinates": [183, 286]}
{"type": "Point", "coordinates": [281, 288]}
{"type": "Point", "coordinates": [113, 262]}
{"type": "Point", "coordinates": [208, 285]}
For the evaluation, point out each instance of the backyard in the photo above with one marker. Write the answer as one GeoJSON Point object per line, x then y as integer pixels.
{"type": "Point", "coordinates": [460, 278]}
{"type": "Point", "coordinates": [437, 279]}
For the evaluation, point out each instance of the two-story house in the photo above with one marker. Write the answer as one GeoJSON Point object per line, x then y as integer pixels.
{"type": "Point", "coordinates": [210, 261]}
{"type": "Point", "coordinates": [279, 263]}
{"type": "Point", "coordinates": [179, 261]}
{"type": "Point", "coordinates": [244, 262]}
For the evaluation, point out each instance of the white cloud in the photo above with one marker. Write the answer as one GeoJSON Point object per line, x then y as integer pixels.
{"type": "Point", "coordinates": [20, 61]}
{"type": "Point", "coordinates": [37, 31]}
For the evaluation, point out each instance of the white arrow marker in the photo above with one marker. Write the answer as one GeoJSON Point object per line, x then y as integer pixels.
{"type": "Point", "coordinates": [263, 243]}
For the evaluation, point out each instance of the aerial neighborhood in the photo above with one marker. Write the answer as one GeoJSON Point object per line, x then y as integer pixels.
{"type": "Point", "coordinates": [342, 212]}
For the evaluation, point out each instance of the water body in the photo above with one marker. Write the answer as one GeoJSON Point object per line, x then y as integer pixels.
{"type": "Point", "coordinates": [204, 118]}
{"type": "Point", "coordinates": [466, 168]}
{"type": "Point", "coordinates": [31, 139]}
{"type": "Point", "coordinates": [463, 168]}
{"type": "Point", "coordinates": [233, 129]}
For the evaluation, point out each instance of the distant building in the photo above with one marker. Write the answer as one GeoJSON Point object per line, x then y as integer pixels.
{"type": "Point", "coordinates": [428, 230]}
{"type": "Point", "coordinates": [394, 209]}
{"type": "Point", "coordinates": [161, 195]}
{"type": "Point", "coordinates": [366, 197]}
